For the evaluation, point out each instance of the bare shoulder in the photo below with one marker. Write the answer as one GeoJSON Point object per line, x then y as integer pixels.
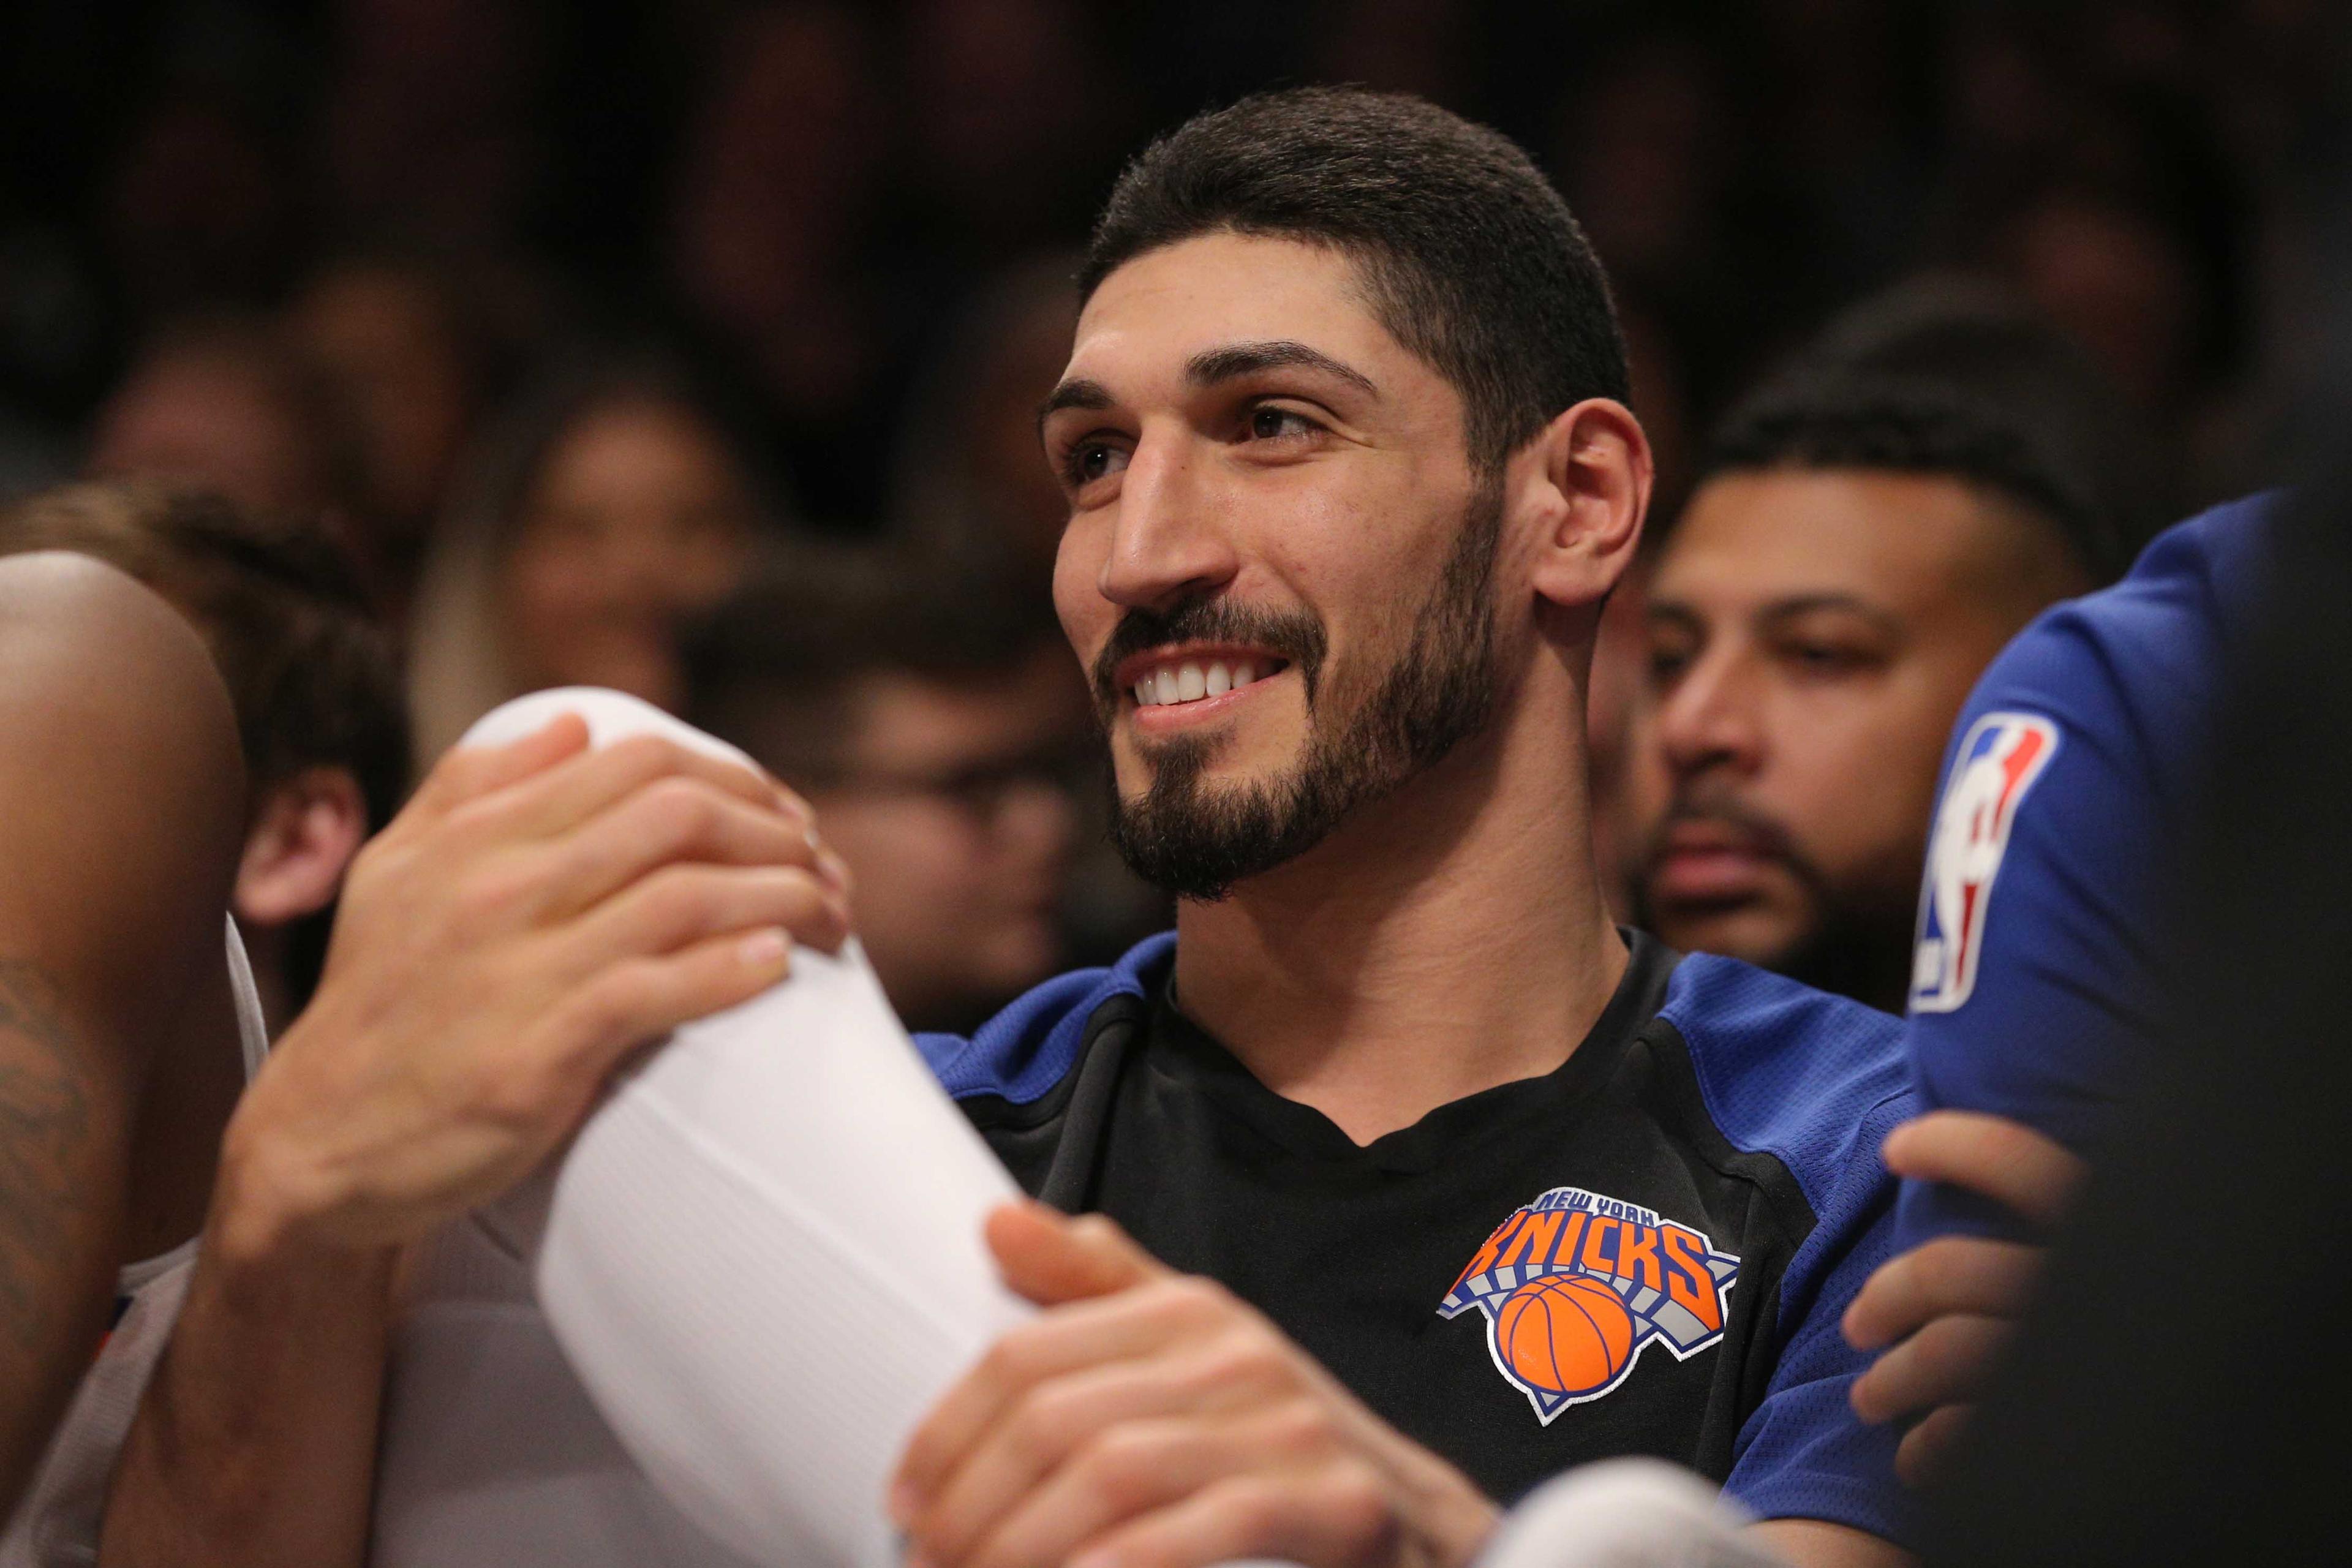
{"type": "Point", "coordinates": [122, 785]}
{"type": "Point", "coordinates": [1817, 1543]}
{"type": "Point", "coordinates": [83, 643]}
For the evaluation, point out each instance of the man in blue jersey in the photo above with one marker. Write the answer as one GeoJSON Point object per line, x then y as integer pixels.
{"type": "Point", "coordinates": [2045, 967]}
{"type": "Point", "coordinates": [1394, 1067]}
{"type": "Point", "coordinates": [1429, 1182]}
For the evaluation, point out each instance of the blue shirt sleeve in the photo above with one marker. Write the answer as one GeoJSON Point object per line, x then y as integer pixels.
{"type": "Point", "coordinates": [1803, 1453]}
{"type": "Point", "coordinates": [1815, 1082]}
{"type": "Point", "coordinates": [2044, 926]}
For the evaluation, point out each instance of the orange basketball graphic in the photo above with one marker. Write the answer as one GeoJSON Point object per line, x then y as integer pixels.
{"type": "Point", "coordinates": [1565, 1334]}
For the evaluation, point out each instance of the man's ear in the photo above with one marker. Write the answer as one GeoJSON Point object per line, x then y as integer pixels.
{"type": "Point", "coordinates": [301, 841]}
{"type": "Point", "coordinates": [1591, 489]}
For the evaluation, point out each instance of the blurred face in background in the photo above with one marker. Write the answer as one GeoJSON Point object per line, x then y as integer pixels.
{"type": "Point", "coordinates": [394, 354]}
{"type": "Point", "coordinates": [1812, 636]}
{"type": "Point", "coordinates": [218, 416]}
{"type": "Point", "coordinates": [2119, 285]}
{"type": "Point", "coordinates": [639, 517]}
{"type": "Point", "coordinates": [951, 805]}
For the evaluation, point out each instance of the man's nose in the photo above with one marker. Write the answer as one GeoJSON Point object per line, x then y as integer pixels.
{"type": "Point", "coordinates": [1169, 538]}
{"type": "Point", "coordinates": [1712, 717]}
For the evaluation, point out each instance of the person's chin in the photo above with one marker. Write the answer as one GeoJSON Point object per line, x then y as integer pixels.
{"type": "Point", "coordinates": [1751, 930]}
{"type": "Point", "coordinates": [1223, 775]}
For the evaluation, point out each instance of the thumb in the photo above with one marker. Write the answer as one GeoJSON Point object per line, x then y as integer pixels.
{"type": "Point", "coordinates": [1050, 1258]}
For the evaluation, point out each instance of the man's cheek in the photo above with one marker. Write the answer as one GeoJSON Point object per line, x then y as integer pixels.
{"type": "Point", "coordinates": [1086, 615]}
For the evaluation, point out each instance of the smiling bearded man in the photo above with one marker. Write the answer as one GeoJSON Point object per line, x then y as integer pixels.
{"type": "Point", "coordinates": [1350, 480]}
{"type": "Point", "coordinates": [1428, 1182]}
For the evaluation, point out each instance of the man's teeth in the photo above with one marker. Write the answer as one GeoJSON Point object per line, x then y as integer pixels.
{"type": "Point", "coordinates": [1170, 685]}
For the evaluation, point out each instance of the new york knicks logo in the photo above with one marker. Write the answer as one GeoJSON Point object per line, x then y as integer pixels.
{"type": "Point", "coordinates": [1998, 761]}
{"type": "Point", "coordinates": [1575, 1286]}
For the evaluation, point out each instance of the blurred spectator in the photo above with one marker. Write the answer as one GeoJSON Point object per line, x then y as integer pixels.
{"type": "Point", "coordinates": [1682, 209]}
{"type": "Point", "coordinates": [2089, 168]}
{"type": "Point", "coordinates": [772, 209]}
{"type": "Point", "coordinates": [969, 474]}
{"type": "Point", "coordinates": [203, 205]}
{"type": "Point", "coordinates": [432, 123]}
{"type": "Point", "coordinates": [1007, 106]}
{"type": "Point", "coordinates": [614, 499]}
{"type": "Point", "coordinates": [224, 402]}
{"type": "Point", "coordinates": [389, 334]}
{"type": "Point", "coordinates": [1860, 543]}
{"type": "Point", "coordinates": [936, 726]}
{"type": "Point", "coordinates": [318, 707]}
{"type": "Point", "coordinates": [2119, 283]}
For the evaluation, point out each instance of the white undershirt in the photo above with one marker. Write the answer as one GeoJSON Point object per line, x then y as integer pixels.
{"type": "Point", "coordinates": [56, 1521]}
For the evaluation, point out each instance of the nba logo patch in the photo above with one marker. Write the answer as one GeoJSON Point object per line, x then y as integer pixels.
{"type": "Point", "coordinates": [1998, 761]}
{"type": "Point", "coordinates": [1574, 1286]}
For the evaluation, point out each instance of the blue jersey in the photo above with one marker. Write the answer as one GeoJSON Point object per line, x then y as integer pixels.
{"type": "Point", "coordinates": [1646, 1251]}
{"type": "Point", "coordinates": [2045, 958]}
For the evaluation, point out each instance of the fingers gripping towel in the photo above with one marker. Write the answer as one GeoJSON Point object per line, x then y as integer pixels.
{"type": "Point", "coordinates": [763, 1253]}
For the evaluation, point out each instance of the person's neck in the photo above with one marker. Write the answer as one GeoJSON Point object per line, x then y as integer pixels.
{"type": "Point", "coordinates": [1445, 940]}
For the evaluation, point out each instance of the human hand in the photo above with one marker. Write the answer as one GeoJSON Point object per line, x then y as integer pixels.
{"type": "Point", "coordinates": [538, 912]}
{"type": "Point", "coordinates": [1149, 1419]}
{"type": "Point", "coordinates": [1952, 1303]}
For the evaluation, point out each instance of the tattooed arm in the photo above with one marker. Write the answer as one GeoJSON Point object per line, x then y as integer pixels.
{"type": "Point", "coordinates": [121, 809]}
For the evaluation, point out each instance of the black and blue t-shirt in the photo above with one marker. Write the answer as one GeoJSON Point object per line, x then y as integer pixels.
{"type": "Point", "coordinates": [1646, 1251]}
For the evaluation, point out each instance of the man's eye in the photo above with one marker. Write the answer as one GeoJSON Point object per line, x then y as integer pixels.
{"type": "Point", "coordinates": [1091, 460]}
{"type": "Point", "coordinates": [1824, 658]}
{"type": "Point", "coordinates": [1273, 424]}
{"type": "Point", "coordinates": [1666, 665]}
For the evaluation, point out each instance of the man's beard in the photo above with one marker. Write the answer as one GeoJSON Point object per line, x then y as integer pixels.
{"type": "Point", "coordinates": [1196, 841]}
{"type": "Point", "coordinates": [1857, 940]}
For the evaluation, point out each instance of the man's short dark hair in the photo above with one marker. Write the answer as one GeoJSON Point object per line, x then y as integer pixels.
{"type": "Point", "coordinates": [279, 605]}
{"type": "Point", "coordinates": [1959, 382]}
{"type": "Point", "coordinates": [782, 658]}
{"type": "Point", "coordinates": [1471, 258]}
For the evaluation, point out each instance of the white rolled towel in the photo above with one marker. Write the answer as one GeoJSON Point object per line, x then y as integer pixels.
{"type": "Point", "coordinates": [763, 1253]}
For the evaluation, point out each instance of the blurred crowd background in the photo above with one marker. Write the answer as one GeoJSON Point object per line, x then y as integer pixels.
{"type": "Point", "coordinates": [573, 323]}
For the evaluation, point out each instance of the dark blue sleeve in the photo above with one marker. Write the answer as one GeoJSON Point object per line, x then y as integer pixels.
{"type": "Point", "coordinates": [2040, 962]}
{"type": "Point", "coordinates": [1816, 1082]}
{"type": "Point", "coordinates": [2036, 960]}
{"type": "Point", "coordinates": [1803, 1453]}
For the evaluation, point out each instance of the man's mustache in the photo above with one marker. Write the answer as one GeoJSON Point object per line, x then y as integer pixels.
{"type": "Point", "coordinates": [1296, 635]}
{"type": "Point", "coordinates": [1761, 835]}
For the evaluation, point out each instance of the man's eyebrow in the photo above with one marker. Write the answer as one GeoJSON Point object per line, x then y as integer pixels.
{"type": "Point", "coordinates": [1806, 604]}
{"type": "Point", "coordinates": [1080, 394]}
{"type": "Point", "coordinates": [1211, 367]}
{"type": "Point", "coordinates": [1670, 610]}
